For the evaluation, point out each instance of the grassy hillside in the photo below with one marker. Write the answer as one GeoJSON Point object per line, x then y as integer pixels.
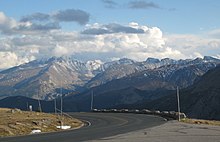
{"type": "Point", "coordinates": [15, 122]}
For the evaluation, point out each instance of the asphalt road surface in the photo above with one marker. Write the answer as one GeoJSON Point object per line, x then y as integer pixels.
{"type": "Point", "coordinates": [101, 125]}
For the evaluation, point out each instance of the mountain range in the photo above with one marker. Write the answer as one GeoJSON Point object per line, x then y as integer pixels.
{"type": "Point", "coordinates": [43, 79]}
{"type": "Point", "coordinates": [118, 84]}
{"type": "Point", "coordinates": [201, 100]}
{"type": "Point", "coordinates": [49, 78]}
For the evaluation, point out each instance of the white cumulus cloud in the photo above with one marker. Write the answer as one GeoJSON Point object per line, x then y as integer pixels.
{"type": "Point", "coordinates": [97, 41]}
{"type": "Point", "coordinates": [192, 46]}
{"type": "Point", "coordinates": [6, 23]}
{"type": "Point", "coordinates": [10, 59]}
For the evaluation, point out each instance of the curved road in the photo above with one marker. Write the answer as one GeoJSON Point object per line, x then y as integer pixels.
{"type": "Point", "coordinates": [102, 125]}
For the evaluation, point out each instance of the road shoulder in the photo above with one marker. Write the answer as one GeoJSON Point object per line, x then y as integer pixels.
{"type": "Point", "coordinates": [171, 131]}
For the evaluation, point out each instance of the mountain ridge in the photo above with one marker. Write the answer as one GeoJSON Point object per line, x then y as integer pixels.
{"type": "Point", "coordinates": [200, 100]}
{"type": "Point", "coordinates": [45, 78]}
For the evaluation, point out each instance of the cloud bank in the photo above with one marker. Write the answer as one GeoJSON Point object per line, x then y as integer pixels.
{"type": "Point", "coordinates": [69, 15]}
{"type": "Point", "coordinates": [40, 35]}
{"type": "Point", "coordinates": [41, 22]}
{"type": "Point", "coordinates": [97, 29]}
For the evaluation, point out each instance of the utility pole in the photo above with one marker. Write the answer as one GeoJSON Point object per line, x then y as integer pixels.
{"type": "Point", "coordinates": [91, 107]}
{"type": "Point", "coordinates": [178, 102]}
{"type": "Point", "coordinates": [27, 106]}
{"type": "Point", "coordinates": [39, 105]}
{"type": "Point", "coordinates": [61, 107]}
{"type": "Point", "coordinates": [55, 106]}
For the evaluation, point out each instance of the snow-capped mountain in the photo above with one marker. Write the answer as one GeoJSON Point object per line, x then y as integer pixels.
{"type": "Point", "coordinates": [158, 79]}
{"type": "Point", "coordinates": [44, 78]}
{"type": "Point", "coordinates": [164, 68]}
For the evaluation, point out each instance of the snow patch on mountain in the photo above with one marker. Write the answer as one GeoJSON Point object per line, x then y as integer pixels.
{"type": "Point", "coordinates": [94, 65]}
{"type": "Point", "coordinates": [73, 75]}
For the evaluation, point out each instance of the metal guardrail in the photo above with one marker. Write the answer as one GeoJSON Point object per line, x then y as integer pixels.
{"type": "Point", "coordinates": [165, 114]}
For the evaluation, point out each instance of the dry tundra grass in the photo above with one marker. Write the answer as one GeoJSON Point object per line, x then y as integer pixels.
{"type": "Point", "coordinates": [199, 121]}
{"type": "Point", "coordinates": [15, 122]}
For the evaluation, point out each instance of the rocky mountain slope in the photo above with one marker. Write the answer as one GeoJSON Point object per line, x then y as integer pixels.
{"type": "Point", "coordinates": [165, 72]}
{"type": "Point", "coordinates": [145, 86]}
{"type": "Point", "coordinates": [43, 79]}
{"type": "Point", "coordinates": [198, 101]}
{"type": "Point", "coordinates": [182, 73]}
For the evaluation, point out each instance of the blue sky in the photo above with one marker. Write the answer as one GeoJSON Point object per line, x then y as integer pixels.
{"type": "Point", "coordinates": [172, 16]}
{"type": "Point", "coordinates": [108, 29]}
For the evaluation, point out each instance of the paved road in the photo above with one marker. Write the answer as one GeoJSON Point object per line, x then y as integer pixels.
{"type": "Point", "coordinates": [172, 131]}
{"type": "Point", "coordinates": [102, 125]}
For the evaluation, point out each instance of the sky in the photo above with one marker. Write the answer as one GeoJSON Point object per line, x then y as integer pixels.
{"type": "Point", "coordinates": [108, 30]}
